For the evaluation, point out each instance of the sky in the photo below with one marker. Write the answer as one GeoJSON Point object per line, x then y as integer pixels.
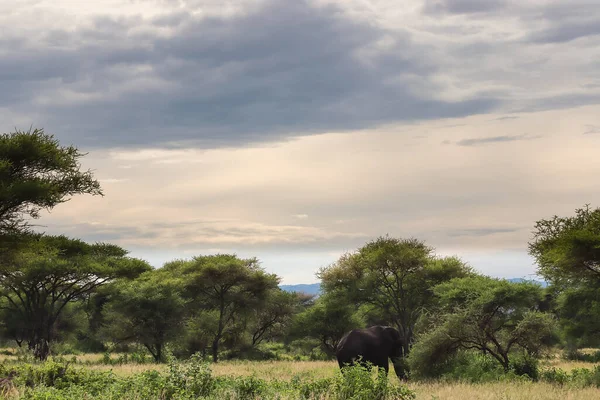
{"type": "Point", "coordinates": [295, 131]}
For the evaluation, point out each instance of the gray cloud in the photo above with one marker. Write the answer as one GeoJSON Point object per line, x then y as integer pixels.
{"type": "Point", "coordinates": [493, 139]}
{"type": "Point", "coordinates": [566, 32]}
{"type": "Point", "coordinates": [284, 69]}
{"type": "Point", "coordinates": [462, 6]}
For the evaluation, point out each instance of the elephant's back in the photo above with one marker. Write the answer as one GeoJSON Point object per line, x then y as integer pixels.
{"type": "Point", "coordinates": [354, 342]}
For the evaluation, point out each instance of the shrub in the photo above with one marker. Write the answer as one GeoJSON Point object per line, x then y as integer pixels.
{"type": "Point", "coordinates": [555, 375]}
{"type": "Point", "coordinates": [192, 377]}
{"type": "Point", "coordinates": [526, 365]}
{"type": "Point", "coordinates": [576, 355]}
{"type": "Point", "coordinates": [248, 387]}
{"type": "Point", "coordinates": [473, 367]}
{"type": "Point", "coordinates": [312, 389]}
{"type": "Point", "coordinates": [356, 383]}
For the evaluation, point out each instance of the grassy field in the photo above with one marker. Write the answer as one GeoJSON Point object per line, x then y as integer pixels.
{"type": "Point", "coordinates": [312, 370]}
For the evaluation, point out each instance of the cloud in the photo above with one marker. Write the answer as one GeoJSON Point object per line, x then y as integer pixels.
{"type": "Point", "coordinates": [205, 233]}
{"type": "Point", "coordinates": [566, 32]}
{"type": "Point", "coordinates": [251, 72]}
{"type": "Point", "coordinates": [463, 6]}
{"type": "Point", "coordinates": [493, 139]}
{"type": "Point", "coordinates": [269, 73]}
{"type": "Point", "coordinates": [480, 231]}
{"type": "Point", "coordinates": [591, 129]}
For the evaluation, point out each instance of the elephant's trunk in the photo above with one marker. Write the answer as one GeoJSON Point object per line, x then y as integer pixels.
{"type": "Point", "coordinates": [400, 367]}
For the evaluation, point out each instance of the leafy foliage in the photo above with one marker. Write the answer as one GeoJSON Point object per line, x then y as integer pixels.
{"type": "Point", "coordinates": [395, 276]}
{"type": "Point", "coordinates": [147, 310]}
{"type": "Point", "coordinates": [40, 281]}
{"type": "Point", "coordinates": [567, 249]}
{"type": "Point", "coordinates": [37, 173]}
{"type": "Point", "coordinates": [224, 284]}
{"type": "Point", "coordinates": [193, 379]}
{"type": "Point", "coordinates": [328, 320]}
{"type": "Point", "coordinates": [492, 316]}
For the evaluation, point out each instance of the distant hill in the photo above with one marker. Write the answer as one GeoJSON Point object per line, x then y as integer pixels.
{"type": "Point", "coordinates": [310, 288]}
{"type": "Point", "coordinates": [315, 288]}
{"type": "Point", "coordinates": [518, 280]}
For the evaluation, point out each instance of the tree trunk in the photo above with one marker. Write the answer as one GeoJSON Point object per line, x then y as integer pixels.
{"type": "Point", "coordinates": [215, 345]}
{"type": "Point", "coordinates": [505, 362]}
{"type": "Point", "coordinates": [215, 349]}
{"type": "Point", "coordinates": [159, 355]}
{"type": "Point", "coordinates": [41, 349]}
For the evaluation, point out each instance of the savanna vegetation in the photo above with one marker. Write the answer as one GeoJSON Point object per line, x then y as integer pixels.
{"type": "Point", "coordinates": [86, 320]}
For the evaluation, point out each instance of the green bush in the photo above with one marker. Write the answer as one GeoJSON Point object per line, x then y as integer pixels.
{"type": "Point", "coordinates": [579, 377]}
{"type": "Point", "coordinates": [526, 365]}
{"type": "Point", "coordinates": [192, 379]}
{"type": "Point", "coordinates": [472, 367]}
{"type": "Point", "coordinates": [576, 355]}
{"type": "Point", "coordinates": [248, 387]}
{"type": "Point", "coordinates": [555, 375]}
{"type": "Point", "coordinates": [312, 389]}
{"type": "Point", "coordinates": [356, 383]}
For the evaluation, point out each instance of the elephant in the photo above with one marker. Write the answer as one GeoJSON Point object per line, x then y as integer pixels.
{"type": "Point", "coordinates": [375, 344]}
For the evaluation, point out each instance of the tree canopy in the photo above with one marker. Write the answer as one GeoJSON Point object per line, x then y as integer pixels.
{"type": "Point", "coordinates": [328, 320]}
{"type": "Point", "coordinates": [40, 280]}
{"type": "Point", "coordinates": [37, 173]}
{"type": "Point", "coordinates": [395, 276]}
{"type": "Point", "coordinates": [223, 284]}
{"type": "Point", "coordinates": [489, 315]}
{"type": "Point", "coordinates": [567, 249]}
{"type": "Point", "coordinates": [148, 310]}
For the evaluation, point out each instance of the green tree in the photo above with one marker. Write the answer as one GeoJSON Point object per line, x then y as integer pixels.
{"type": "Point", "coordinates": [148, 310]}
{"type": "Point", "coordinates": [579, 311]}
{"type": "Point", "coordinates": [394, 277]}
{"type": "Point", "coordinates": [226, 284]}
{"type": "Point", "coordinates": [490, 315]}
{"type": "Point", "coordinates": [36, 173]}
{"type": "Point", "coordinates": [198, 332]}
{"type": "Point", "coordinates": [567, 249]}
{"type": "Point", "coordinates": [38, 282]}
{"type": "Point", "coordinates": [274, 317]}
{"type": "Point", "coordinates": [328, 320]}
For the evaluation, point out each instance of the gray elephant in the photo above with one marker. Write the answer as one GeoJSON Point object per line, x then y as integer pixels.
{"type": "Point", "coordinates": [375, 344]}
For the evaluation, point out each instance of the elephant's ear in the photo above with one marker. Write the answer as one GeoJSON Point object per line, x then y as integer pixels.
{"type": "Point", "coordinates": [392, 333]}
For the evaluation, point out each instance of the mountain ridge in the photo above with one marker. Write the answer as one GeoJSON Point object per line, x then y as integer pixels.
{"type": "Point", "coordinates": [315, 288]}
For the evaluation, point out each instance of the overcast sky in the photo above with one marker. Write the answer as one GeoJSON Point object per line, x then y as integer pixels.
{"type": "Point", "coordinates": [294, 131]}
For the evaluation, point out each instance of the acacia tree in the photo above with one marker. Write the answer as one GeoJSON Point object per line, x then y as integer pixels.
{"type": "Point", "coordinates": [37, 173]}
{"type": "Point", "coordinates": [225, 284]}
{"type": "Point", "coordinates": [485, 314]}
{"type": "Point", "coordinates": [148, 310]}
{"type": "Point", "coordinates": [273, 317]}
{"type": "Point", "coordinates": [38, 282]}
{"type": "Point", "coordinates": [327, 320]}
{"type": "Point", "coordinates": [567, 251]}
{"type": "Point", "coordinates": [394, 276]}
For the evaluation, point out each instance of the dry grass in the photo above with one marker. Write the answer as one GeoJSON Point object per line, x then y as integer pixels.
{"type": "Point", "coordinates": [282, 370]}
{"type": "Point", "coordinates": [557, 361]}
{"type": "Point", "coordinates": [501, 391]}
{"type": "Point", "coordinates": [126, 369]}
